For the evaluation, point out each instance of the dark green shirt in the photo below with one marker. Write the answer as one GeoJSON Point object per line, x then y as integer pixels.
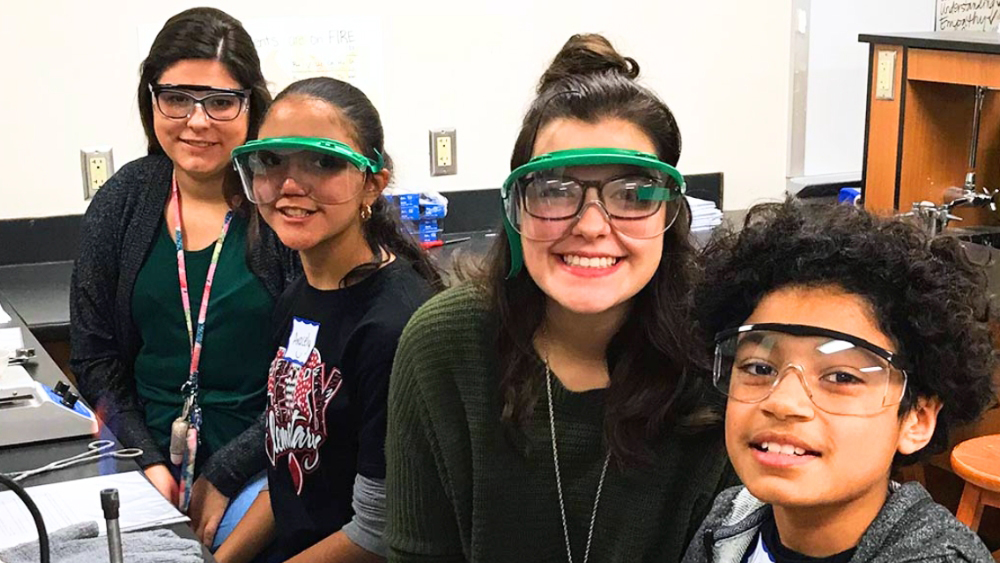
{"type": "Point", "coordinates": [236, 348]}
{"type": "Point", "coordinates": [457, 489]}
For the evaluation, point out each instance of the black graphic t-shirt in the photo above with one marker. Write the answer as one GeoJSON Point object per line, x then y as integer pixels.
{"type": "Point", "coordinates": [327, 391]}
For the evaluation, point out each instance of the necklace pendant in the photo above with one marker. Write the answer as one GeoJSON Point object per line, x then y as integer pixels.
{"type": "Point", "coordinates": [559, 489]}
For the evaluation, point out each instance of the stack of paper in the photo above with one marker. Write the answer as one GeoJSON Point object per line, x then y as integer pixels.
{"type": "Point", "coordinates": [74, 502]}
{"type": "Point", "coordinates": [705, 216]}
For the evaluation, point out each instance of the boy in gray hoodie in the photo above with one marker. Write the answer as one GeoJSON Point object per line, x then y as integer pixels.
{"type": "Point", "coordinates": [845, 345]}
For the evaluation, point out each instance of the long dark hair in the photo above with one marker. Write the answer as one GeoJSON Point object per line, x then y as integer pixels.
{"type": "Point", "coordinates": [653, 387]}
{"type": "Point", "coordinates": [207, 34]}
{"type": "Point", "coordinates": [383, 229]}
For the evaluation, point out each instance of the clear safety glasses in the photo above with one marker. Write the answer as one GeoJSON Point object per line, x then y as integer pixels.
{"type": "Point", "coordinates": [842, 374]}
{"type": "Point", "coordinates": [638, 194]}
{"type": "Point", "coordinates": [330, 172]}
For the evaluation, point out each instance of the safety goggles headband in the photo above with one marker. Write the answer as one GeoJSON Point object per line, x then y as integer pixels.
{"type": "Point", "coordinates": [576, 157]}
{"type": "Point", "coordinates": [316, 144]}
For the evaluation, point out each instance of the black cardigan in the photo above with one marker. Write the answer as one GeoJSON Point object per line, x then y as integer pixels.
{"type": "Point", "coordinates": [117, 233]}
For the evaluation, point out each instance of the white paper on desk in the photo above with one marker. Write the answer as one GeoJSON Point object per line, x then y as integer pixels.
{"type": "Point", "coordinates": [4, 317]}
{"type": "Point", "coordinates": [11, 339]}
{"type": "Point", "coordinates": [73, 502]}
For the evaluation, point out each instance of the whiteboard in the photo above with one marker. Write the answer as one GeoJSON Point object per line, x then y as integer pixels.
{"type": "Point", "coordinates": [345, 47]}
{"type": "Point", "coordinates": [837, 81]}
{"type": "Point", "coordinates": [968, 15]}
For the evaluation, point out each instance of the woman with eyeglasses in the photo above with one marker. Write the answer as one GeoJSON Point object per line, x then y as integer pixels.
{"type": "Point", "coordinates": [549, 412]}
{"type": "Point", "coordinates": [173, 290]}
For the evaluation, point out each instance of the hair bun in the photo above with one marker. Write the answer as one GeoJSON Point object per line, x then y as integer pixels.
{"type": "Point", "coordinates": [587, 53]}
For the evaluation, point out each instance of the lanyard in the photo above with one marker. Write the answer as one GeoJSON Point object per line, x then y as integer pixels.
{"type": "Point", "coordinates": [195, 335]}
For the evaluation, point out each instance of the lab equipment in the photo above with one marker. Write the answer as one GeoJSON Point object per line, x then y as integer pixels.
{"type": "Point", "coordinates": [72, 503]}
{"type": "Point", "coordinates": [36, 516]}
{"type": "Point", "coordinates": [439, 242]}
{"type": "Point", "coordinates": [21, 356]}
{"type": "Point", "coordinates": [850, 196]}
{"type": "Point", "coordinates": [422, 214]}
{"type": "Point", "coordinates": [32, 412]}
{"type": "Point", "coordinates": [934, 218]}
{"type": "Point", "coordinates": [97, 449]}
{"type": "Point", "coordinates": [109, 504]}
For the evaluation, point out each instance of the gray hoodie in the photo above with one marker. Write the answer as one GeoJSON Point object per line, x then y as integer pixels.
{"type": "Point", "coordinates": [910, 527]}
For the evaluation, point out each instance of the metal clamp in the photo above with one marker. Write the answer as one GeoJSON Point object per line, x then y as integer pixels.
{"type": "Point", "coordinates": [21, 356]}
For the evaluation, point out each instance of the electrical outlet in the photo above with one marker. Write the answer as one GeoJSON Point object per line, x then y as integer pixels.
{"type": "Point", "coordinates": [442, 148]}
{"type": "Point", "coordinates": [443, 161]}
{"type": "Point", "coordinates": [885, 75]}
{"type": "Point", "coordinates": [97, 166]}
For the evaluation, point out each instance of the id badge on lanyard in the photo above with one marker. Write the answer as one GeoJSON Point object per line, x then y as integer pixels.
{"type": "Point", "coordinates": [185, 430]}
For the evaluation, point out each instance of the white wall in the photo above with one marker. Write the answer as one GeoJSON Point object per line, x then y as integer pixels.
{"type": "Point", "coordinates": [69, 72]}
{"type": "Point", "coordinates": [838, 75]}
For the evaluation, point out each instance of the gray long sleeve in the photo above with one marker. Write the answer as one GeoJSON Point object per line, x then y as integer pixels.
{"type": "Point", "coordinates": [367, 527]}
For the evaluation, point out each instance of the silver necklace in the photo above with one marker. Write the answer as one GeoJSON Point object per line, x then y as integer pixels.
{"type": "Point", "coordinates": [555, 456]}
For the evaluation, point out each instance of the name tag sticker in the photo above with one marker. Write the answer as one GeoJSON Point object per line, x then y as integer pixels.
{"type": "Point", "coordinates": [302, 341]}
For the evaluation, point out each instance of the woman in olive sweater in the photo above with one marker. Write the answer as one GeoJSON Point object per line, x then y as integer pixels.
{"type": "Point", "coordinates": [201, 94]}
{"type": "Point", "coordinates": [551, 412]}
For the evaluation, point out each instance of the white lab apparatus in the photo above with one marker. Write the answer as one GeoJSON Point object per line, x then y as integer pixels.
{"type": "Point", "coordinates": [33, 412]}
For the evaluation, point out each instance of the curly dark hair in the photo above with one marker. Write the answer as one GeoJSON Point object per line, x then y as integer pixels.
{"type": "Point", "coordinates": [927, 296]}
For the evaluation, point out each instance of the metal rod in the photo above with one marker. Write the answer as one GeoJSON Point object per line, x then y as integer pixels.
{"type": "Point", "coordinates": [109, 503]}
{"type": "Point", "coordinates": [977, 112]}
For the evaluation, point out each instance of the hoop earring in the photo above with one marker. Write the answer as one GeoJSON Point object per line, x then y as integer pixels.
{"type": "Point", "coordinates": [366, 212]}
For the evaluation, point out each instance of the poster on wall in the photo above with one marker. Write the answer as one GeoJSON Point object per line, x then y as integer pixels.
{"type": "Point", "coordinates": [968, 15]}
{"type": "Point", "coordinates": [348, 48]}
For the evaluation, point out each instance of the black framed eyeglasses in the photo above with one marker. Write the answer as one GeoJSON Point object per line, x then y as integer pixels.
{"type": "Point", "coordinates": [841, 373]}
{"type": "Point", "coordinates": [177, 101]}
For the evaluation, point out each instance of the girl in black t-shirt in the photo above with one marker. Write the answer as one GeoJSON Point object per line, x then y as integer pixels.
{"type": "Point", "coordinates": [316, 175]}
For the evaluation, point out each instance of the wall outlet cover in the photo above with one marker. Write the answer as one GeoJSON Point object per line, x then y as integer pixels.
{"type": "Point", "coordinates": [97, 165]}
{"type": "Point", "coordinates": [443, 156]}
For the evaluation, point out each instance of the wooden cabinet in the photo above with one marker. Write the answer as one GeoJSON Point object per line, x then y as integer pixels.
{"type": "Point", "coordinates": [917, 143]}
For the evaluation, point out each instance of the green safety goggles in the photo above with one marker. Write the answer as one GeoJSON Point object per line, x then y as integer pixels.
{"type": "Point", "coordinates": [640, 196]}
{"type": "Point", "coordinates": [317, 165]}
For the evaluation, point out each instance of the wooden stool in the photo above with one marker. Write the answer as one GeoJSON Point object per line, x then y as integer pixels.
{"type": "Point", "coordinates": [978, 462]}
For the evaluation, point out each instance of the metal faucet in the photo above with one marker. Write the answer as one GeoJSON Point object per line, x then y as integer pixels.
{"type": "Point", "coordinates": [934, 218]}
{"type": "Point", "coordinates": [930, 217]}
